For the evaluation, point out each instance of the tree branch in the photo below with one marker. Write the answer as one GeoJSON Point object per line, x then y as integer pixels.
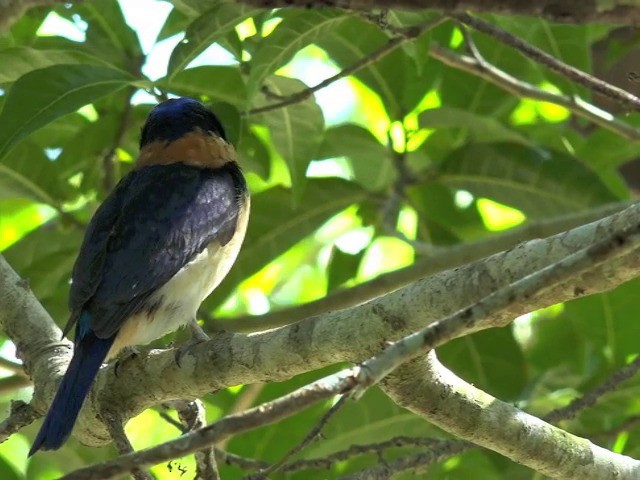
{"type": "Point", "coordinates": [430, 390]}
{"type": "Point", "coordinates": [405, 36]}
{"type": "Point", "coordinates": [439, 259]}
{"type": "Point", "coordinates": [539, 56]}
{"type": "Point", "coordinates": [479, 67]}
{"type": "Point", "coordinates": [345, 335]}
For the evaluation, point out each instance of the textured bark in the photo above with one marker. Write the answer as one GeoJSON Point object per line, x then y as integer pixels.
{"type": "Point", "coordinates": [352, 334]}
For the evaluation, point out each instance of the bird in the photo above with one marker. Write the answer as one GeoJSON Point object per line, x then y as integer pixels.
{"type": "Point", "coordinates": [158, 245]}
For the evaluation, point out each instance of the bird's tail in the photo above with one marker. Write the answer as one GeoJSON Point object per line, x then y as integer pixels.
{"type": "Point", "coordinates": [90, 351]}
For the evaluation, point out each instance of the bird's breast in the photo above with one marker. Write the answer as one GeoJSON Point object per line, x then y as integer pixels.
{"type": "Point", "coordinates": [177, 301]}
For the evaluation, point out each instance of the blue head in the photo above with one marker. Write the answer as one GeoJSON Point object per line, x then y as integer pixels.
{"type": "Point", "coordinates": [174, 118]}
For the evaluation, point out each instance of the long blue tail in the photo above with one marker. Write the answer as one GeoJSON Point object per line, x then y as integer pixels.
{"type": "Point", "coordinates": [90, 351]}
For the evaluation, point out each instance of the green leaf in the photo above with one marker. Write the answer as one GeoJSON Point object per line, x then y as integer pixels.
{"type": "Point", "coordinates": [175, 23]}
{"type": "Point", "coordinates": [342, 267]}
{"type": "Point", "coordinates": [192, 8]}
{"type": "Point", "coordinates": [275, 225]}
{"type": "Point", "coordinates": [43, 95]}
{"type": "Point", "coordinates": [221, 83]}
{"type": "Point", "coordinates": [27, 173]}
{"type": "Point", "coordinates": [393, 77]}
{"type": "Point", "coordinates": [372, 166]}
{"type": "Point", "coordinates": [481, 128]}
{"type": "Point", "coordinates": [18, 61]}
{"type": "Point", "coordinates": [109, 34]}
{"type": "Point", "coordinates": [491, 360]}
{"type": "Point", "coordinates": [446, 222]}
{"type": "Point", "coordinates": [298, 29]}
{"type": "Point", "coordinates": [296, 131]}
{"type": "Point", "coordinates": [538, 182]}
{"type": "Point", "coordinates": [206, 29]}
{"type": "Point", "coordinates": [50, 250]}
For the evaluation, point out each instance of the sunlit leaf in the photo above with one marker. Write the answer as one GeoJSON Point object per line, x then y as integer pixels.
{"type": "Point", "coordinates": [538, 182]}
{"type": "Point", "coordinates": [46, 94]}
{"type": "Point", "coordinates": [205, 30]}
{"type": "Point", "coordinates": [298, 29]}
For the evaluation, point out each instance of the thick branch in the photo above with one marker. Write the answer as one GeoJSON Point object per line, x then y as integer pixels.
{"type": "Point", "coordinates": [430, 390]}
{"type": "Point", "coordinates": [351, 334]}
{"type": "Point", "coordinates": [440, 259]}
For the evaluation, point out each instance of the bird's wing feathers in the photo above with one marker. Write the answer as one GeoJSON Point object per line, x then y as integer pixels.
{"type": "Point", "coordinates": [154, 223]}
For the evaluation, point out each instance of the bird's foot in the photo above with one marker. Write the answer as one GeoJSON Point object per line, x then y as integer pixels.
{"type": "Point", "coordinates": [126, 354]}
{"type": "Point", "coordinates": [198, 335]}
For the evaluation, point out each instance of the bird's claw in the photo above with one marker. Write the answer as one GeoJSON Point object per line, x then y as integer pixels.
{"type": "Point", "coordinates": [127, 353]}
{"type": "Point", "coordinates": [198, 335]}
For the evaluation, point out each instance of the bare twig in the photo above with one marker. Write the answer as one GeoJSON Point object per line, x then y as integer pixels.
{"type": "Point", "coordinates": [245, 399]}
{"type": "Point", "coordinates": [22, 414]}
{"type": "Point", "coordinates": [480, 67]}
{"type": "Point", "coordinates": [407, 35]}
{"type": "Point", "coordinates": [357, 450]}
{"type": "Point", "coordinates": [417, 461]}
{"type": "Point", "coordinates": [590, 398]}
{"type": "Point", "coordinates": [315, 432]}
{"type": "Point", "coordinates": [550, 61]}
{"type": "Point", "coordinates": [192, 415]}
{"type": "Point", "coordinates": [230, 425]}
{"type": "Point", "coordinates": [121, 442]}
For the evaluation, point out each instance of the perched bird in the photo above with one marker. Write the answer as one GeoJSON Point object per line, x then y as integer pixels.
{"type": "Point", "coordinates": [155, 249]}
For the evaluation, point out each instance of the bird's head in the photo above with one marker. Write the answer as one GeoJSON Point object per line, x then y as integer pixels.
{"type": "Point", "coordinates": [183, 130]}
{"type": "Point", "coordinates": [177, 117]}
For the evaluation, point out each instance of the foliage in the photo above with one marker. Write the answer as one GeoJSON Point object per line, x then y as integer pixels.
{"type": "Point", "coordinates": [323, 172]}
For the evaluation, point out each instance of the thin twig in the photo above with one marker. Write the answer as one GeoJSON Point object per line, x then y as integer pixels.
{"type": "Point", "coordinates": [550, 61]}
{"type": "Point", "coordinates": [325, 463]}
{"type": "Point", "coordinates": [121, 442]}
{"type": "Point", "coordinates": [416, 461]}
{"type": "Point", "coordinates": [479, 67]}
{"type": "Point", "coordinates": [310, 437]}
{"type": "Point", "coordinates": [407, 35]}
{"type": "Point", "coordinates": [21, 415]}
{"type": "Point", "coordinates": [590, 398]}
{"type": "Point", "coordinates": [244, 400]}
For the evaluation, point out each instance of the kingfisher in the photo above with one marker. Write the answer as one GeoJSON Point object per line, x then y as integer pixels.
{"type": "Point", "coordinates": [157, 246]}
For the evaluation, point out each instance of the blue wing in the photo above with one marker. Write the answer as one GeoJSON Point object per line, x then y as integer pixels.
{"type": "Point", "coordinates": [156, 220]}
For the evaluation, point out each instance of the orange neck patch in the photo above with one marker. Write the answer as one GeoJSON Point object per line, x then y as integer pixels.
{"type": "Point", "coordinates": [196, 149]}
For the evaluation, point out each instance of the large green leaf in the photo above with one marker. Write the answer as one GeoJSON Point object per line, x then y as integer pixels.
{"type": "Point", "coordinates": [296, 131]}
{"type": "Point", "coordinates": [51, 250]}
{"type": "Point", "coordinates": [298, 29]}
{"type": "Point", "coordinates": [221, 83]}
{"type": "Point", "coordinates": [370, 160]}
{"type": "Point", "coordinates": [206, 29]}
{"type": "Point", "coordinates": [491, 360]}
{"type": "Point", "coordinates": [109, 35]}
{"type": "Point", "coordinates": [27, 173]}
{"type": "Point", "coordinates": [538, 182]}
{"type": "Point", "coordinates": [18, 61]}
{"type": "Point", "coordinates": [43, 95]}
{"type": "Point", "coordinates": [480, 128]}
{"type": "Point", "coordinates": [275, 225]}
